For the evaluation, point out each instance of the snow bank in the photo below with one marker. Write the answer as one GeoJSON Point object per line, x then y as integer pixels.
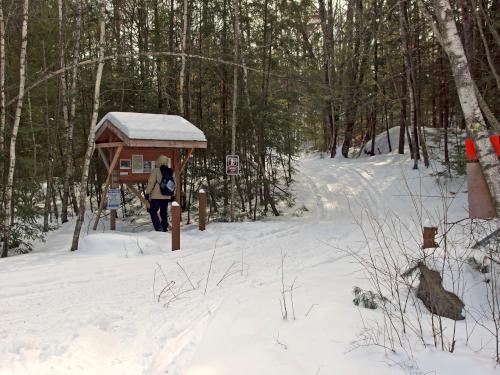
{"type": "Point", "coordinates": [215, 306]}
{"type": "Point", "coordinates": [121, 245]}
{"type": "Point", "coordinates": [382, 142]}
{"type": "Point", "coordinates": [153, 126]}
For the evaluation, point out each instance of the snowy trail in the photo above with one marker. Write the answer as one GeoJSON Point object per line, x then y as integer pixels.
{"type": "Point", "coordinates": [96, 311]}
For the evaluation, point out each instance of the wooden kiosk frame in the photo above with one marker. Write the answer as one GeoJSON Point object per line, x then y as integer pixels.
{"type": "Point", "coordinates": [123, 139]}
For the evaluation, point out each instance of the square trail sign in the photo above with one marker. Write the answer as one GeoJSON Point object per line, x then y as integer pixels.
{"type": "Point", "coordinates": [232, 165]}
{"type": "Point", "coordinates": [114, 199]}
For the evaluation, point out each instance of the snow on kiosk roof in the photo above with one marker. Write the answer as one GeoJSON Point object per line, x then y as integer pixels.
{"type": "Point", "coordinates": [149, 130]}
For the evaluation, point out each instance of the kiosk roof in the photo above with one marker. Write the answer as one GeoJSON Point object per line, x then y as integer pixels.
{"type": "Point", "coordinates": [153, 126]}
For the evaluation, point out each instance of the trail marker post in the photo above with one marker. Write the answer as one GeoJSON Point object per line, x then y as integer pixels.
{"type": "Point", "coordinates": [429, 234]}
{"type": "Point", "coordinates": [176, 226]}
{"type": "Point", "coordinates": [481, 204]}
{"type": "Point", "coordinates": [202, 197]}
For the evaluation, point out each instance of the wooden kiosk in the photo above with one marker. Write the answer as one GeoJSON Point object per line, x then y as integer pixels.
{"type": "Point", "coordinates": [129, 144]}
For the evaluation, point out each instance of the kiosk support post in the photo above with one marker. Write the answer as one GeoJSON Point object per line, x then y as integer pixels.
{"type": "Point", "coordinates": [202, 196]}
{"type": "Point", "coordinates": [176, 226]}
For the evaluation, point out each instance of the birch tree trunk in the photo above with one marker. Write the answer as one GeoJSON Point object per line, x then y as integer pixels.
{"type": "Point", "coordinates": [15, 129]}
{"type": "Point", "coordinates": [93, 122]}
{"type": "Point", "coordinates": [445, 28]}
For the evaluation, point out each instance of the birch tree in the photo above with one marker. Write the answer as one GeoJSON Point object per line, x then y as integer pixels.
{"type": "Point", "coordinates": [15, 130]}
{"type": "Point", "coordinates": [442, 20]}
{"type": "Point", "coordinates": [93, 122]}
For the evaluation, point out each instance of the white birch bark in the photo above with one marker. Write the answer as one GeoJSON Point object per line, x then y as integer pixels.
{"type": "Point", "coordinates": [93, 122]}
{"type": "Point", "coordinates": [445, 28]}
{"type": "Point", "coordinates": [15, 129]}
{"type": "Point", "coordinates": [183, 58]}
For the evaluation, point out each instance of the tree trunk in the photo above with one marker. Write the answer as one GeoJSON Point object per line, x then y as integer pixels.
{"type": "Point", "coordinates": [410, 76]}
{"type": "Point", "coordinates": [418, 90]}
{"type": "Point", "coordinates": [50, 166]}
{"type": "Point", "coordinates": [64, 99]}
{"type": "Point", "coordinates": [402, 117]}
{"type": "Point", "coordinates": [183, 57]}
{"type": "Point", "coordinates": [488, 114]}
{"type": "Point", "coordinates": [93, 122]}
{"type": "Point", "coordinates": [159, 64]}
{"type": "Point", "coordinates": [69, 178]}
{"type": "Point", "coordinates": [33, 137]}
{"type": "Point", "coordinates": [236, 10]}
{"type": "Point", "coordinates": [2, 83]}
{"type": "Point", "coordinates": [489, 58]}
{"type": "Point", "coordinates": [326, 28]}
{"type": "Point", "coordinates": [444, 109]}
{"type": "Point", "coordinates": [15, 128]}
{"type": "Point", "coordinates": [353, 39]}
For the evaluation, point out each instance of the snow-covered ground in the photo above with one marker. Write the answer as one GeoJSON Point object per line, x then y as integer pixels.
{"type": "Point", "coordinates": [125, 304]}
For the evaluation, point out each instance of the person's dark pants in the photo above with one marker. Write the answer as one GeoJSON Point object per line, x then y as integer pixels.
{"type": "Point", "coordinates": [162, 205]}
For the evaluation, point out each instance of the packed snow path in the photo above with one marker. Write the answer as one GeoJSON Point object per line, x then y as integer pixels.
{"type": "Point", "coordinates": [105, 309]}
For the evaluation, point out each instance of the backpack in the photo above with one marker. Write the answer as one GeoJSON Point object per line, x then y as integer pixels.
{"type": "Point", "coordinates": [167, 183]}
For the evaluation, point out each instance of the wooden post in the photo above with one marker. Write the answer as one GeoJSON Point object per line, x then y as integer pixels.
{"type": "Point", "coordinates": [114, 185]}
{"type": "Point", "coordinates": [202, 197]}
{"type": "Point", "coordinates": [429, 234]}
{"type": "Point", "coordinates": [176, 226]}
{"type": "Point", "coordinates": [481, 204]}
{"type": "Point", "coordinates": [177, 172]}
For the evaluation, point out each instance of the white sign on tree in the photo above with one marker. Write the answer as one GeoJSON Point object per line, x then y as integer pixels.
{"type": "Point", "coordinates": [232, 165]}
